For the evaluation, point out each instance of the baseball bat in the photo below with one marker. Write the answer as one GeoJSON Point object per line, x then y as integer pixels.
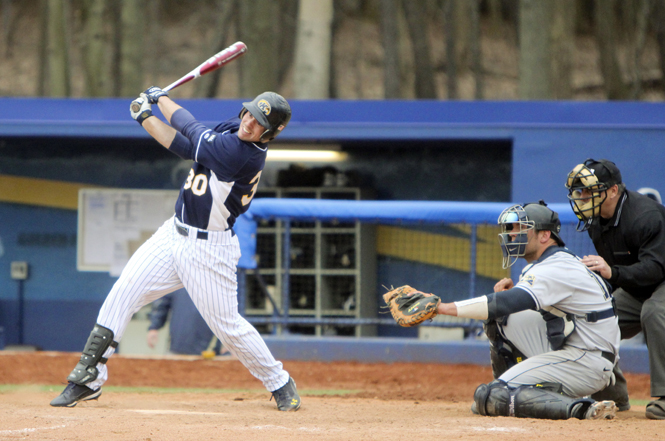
{"type": "Point", "coordinates": [213, 63]}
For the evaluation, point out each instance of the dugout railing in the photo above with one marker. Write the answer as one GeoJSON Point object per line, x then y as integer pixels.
{"type": "Point", "coordinates": [466, 231]}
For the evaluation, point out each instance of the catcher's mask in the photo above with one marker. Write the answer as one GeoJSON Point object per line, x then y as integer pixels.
{"type": "Point", "coordinates": [587, 186]}
{"type": "Point", "coordinates": [516, 221]}
{"type": "Point", "coordinates": [271, 110]}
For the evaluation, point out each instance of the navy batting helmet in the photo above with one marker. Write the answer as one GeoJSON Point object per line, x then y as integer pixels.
{"type": "Point", "coordinates": [271, 110]}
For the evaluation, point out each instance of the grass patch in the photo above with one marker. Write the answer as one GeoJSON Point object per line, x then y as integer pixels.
{"type": "Point", "coordinates": [639, 402]}
{"type": "Point", "coordinates": [7, 388]}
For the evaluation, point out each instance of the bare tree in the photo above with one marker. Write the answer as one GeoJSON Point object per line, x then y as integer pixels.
{"type": "Point", "coordinates": [288, 25]}
{"type": "Point", "coordinates": [42, 50]}
{"type": "Point", "coordinates": [131, 49]}
{"type": "Point", "coordinates": [451, 56]}
{"type": "Point", "coordinates": [94, 49]}
{"type": "Point", "coordinates": [256, 27]}
{"type": "Point", "coordinates": [606, 31]}
{"type": "Point", "coordinates": [389, 32]}
{"type": "Point", "coordinates": [333, 91]}
{"type": "Point", "coordinates": [423, 69]}
{"type": "Point", "coordinates": [535, 49]}
{"type": "Point", "coordinates": [659, 29]}
{"type": "Point", "coordinates": [313, 45]}
{"type": "Point", "coordinates": [563, 45]}
{"type": "Point", "coordinates": [462, 23]}
{"type": "Point", "coordinates": [115, 8]}
{"type": "Point", "coordinates": [476, 52]}
{"type": "Point", "coordinates": [8, 26]}
{"type": "Point", "coordinates": [638, 42]}
{"type": "Point", "coordinates": [225, 10]}
{"type": "Point", "coordinates": [58, 50]}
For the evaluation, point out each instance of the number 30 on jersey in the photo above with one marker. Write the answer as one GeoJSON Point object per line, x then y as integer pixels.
{"type": "Point", "coordinates": [198, 183]}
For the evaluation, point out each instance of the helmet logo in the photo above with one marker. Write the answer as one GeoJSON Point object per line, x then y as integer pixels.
{"type": "Point", "coordinates": [264, 106]}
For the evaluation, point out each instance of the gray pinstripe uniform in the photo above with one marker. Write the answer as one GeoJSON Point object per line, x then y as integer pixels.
{"type": "Point", "coordinates": [560, 283]}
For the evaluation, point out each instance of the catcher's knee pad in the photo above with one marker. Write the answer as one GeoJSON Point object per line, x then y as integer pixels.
{"type": "Point", "coordinates": [503, 354]}
{"type": "Point", "coordinates": [86, 369]}
{"type": "Point", "coordinates": [492, 399]}
{"type": "Point", "coordinates": [539, 401]}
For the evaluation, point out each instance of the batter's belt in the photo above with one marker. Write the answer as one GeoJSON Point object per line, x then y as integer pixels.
{"type": "Point", "coordinates": [200, 234]}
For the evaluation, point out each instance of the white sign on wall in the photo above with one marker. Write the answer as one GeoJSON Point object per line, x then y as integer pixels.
{"type": "Point", "coordinates": [113, 223]}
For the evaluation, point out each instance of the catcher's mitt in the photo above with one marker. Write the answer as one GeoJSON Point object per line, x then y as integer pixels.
{"type": "Point", "coordinates": [411, 307]}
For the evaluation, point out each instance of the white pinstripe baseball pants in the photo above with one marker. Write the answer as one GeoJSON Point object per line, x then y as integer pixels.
{"type": "Point", "coordinates": [169, 261]}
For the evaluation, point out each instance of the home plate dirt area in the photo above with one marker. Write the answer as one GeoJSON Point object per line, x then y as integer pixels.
{"type": "Point", "coordinates": [188, 398]}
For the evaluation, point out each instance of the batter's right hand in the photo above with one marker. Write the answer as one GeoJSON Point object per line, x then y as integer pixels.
{"type": "Point", "coordinates": [154, 93]}
{"type": "Point", "coordinates": [140, 109]}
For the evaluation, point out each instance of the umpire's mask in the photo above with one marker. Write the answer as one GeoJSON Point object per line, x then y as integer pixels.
{"type": "Point", "coordinates": [587, 186]}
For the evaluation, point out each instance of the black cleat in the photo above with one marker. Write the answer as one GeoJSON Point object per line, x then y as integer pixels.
{"type": "Point", "coordinates": [74, 393]}
{"type": "Point", "coordinates": [287, 397]}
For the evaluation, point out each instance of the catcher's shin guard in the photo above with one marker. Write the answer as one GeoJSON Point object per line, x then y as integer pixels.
{"type": "Point", "coordinates": [499, 399]}
{"type": "Point", "coordinates": [503, 354]}
{"type": "Point", "coordinates": [86, 369]}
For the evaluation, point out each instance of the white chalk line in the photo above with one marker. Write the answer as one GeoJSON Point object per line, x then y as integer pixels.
{"type": "Point", "coordinates": [28, 430]}
{"type": "Point", "coordinates": [265, 427]}
{"type": "Point", "coordinates": [498, 429]}
{"type": "Point", "coordinates": [173, 412]}
{"type": "Point", "coordinates": [273, 427]}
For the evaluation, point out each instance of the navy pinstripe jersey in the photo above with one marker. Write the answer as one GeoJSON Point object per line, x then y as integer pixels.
{"type": "Point", "coordinates": [224, 176]}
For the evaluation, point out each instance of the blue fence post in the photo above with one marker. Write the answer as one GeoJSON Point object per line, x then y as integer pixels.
{"type": "Point", "coordinates": [472, 263]}
{"type": "Point", "coordinates": [286, 280]}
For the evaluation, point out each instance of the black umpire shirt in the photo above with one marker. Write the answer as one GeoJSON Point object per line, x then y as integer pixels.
{"type": "Point", "coordinates": [632, 242]}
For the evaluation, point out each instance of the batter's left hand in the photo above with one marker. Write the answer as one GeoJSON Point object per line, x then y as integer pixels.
{"type": "Point", "coordinates": [140, 109]}
{"type": "Point", "coordinates": [598, 264]}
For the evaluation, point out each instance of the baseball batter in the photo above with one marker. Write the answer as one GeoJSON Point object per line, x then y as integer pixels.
{"type": "Point", "coordinates": [197, 248]}
{"type": "Point", "coordinates": [559, 360]}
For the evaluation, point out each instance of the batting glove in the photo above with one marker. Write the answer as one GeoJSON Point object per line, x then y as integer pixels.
{"type": "Point", "coordinates": [140, 109]}
{"type": "Point", "coordinates": [154, 93]}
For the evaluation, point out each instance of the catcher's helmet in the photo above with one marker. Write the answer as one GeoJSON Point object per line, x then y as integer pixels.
{"type": "Point", "coordinates": [271, 110]}
{"type": "Point", "coordinates": [532, 216]}
{"type": "Point", "coordinates": [596, 177]}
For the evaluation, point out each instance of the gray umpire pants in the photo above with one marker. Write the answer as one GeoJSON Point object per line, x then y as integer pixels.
{"type": "Point", "coordinates": [648, 316]}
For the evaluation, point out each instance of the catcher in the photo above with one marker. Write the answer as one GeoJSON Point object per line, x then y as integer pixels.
{"type": "Point", "coordinates": [556, 296]}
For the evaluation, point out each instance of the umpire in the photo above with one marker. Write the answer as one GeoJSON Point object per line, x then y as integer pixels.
{"type": "Point", "coordinates": [628, 232]}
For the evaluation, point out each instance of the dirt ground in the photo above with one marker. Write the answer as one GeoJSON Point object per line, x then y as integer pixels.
{"type": "Point", "coordinates": [218, 398]}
